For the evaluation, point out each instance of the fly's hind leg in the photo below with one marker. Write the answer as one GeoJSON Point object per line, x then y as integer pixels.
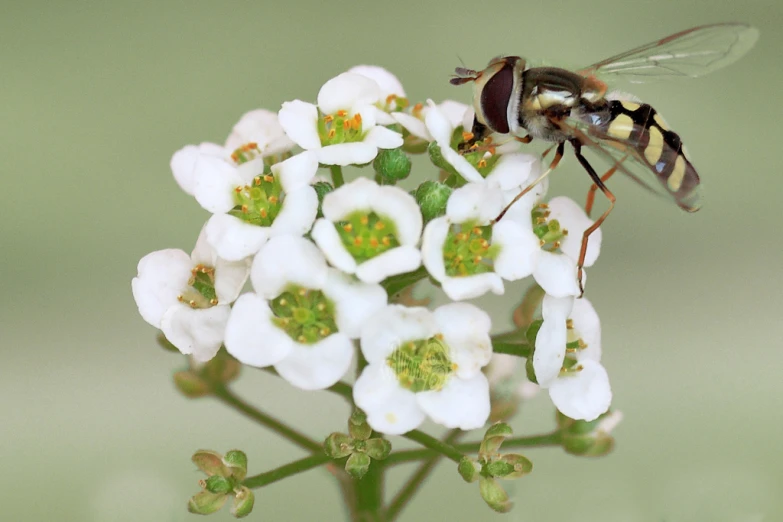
{"type": "Point", "coordinates": [594, 188]}
{"type": "Point", "coordinates": [599, 182]}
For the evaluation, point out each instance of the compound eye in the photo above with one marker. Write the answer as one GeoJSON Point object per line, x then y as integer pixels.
{"type": "Point", "coordinates": [495, 97]}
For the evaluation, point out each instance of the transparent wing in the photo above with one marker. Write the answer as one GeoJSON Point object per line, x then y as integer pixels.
{"type": "Point", "coordinates": [690, 53]}
{"type": "Point", "coordinates": [629, 157]}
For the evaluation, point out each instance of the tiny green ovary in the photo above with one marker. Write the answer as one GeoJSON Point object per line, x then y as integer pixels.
{"type": "Point", "coordinates": [422, 365]}
{"type": "Point", "coordinates": [260, 202]}
{"type": "Point", "coordinates": [307, 316]}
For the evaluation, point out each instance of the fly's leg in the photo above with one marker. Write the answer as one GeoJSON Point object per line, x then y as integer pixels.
{"type": "Point", "coordinates": [594, 188]}
{"type": "Point", "coordinates": [600, 184]}
{"type": "Point", "coordinates": [552, 166]}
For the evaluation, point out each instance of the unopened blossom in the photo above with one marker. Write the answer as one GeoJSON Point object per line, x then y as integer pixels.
{"type": "Point", "coordinates": [425, 363]}
{"type": "Point", "coordinates": [370, 230]}
{"type": "Point", "coordinates": [469, 253]}
{"type": "Point", "coordinates": [188, 297]}
{"type": "Point", "coordinates": [392, 94]}
{"type": "Point", "coordinates": [303, 315]}
{"type": "Point", "coordinates": [567, 358]}
{"type": "Point", "coordinates": [342, 128]}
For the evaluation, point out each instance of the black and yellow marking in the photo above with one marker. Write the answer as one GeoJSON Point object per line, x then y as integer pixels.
{"type": "Point", "coordinates": [640, 127]}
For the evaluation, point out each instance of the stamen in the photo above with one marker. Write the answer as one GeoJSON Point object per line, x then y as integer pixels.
{"type": "Point", "coordinates": [331, 134]}
{"type": "Point", "coordinates": [273, 200]}
{"type": "Point", "coordinates": [348, 227]}
{"type": "Point", "coordinates": [467, 136]}
{"type": "Point", "coordinates": [380, 225]}
{"type": "Point", "coordinates": [342, 113]}
{"type": "Point", "coordinates": [244, 209]}
{"type": "Point", "coordinates": [328, 118]}
{"type": "Point", "coordinates": [570, 324]}
{"type": "Point", "coordinates": [269, 178]}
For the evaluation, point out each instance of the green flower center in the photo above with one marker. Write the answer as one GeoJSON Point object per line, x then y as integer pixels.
{"type": "Point", "coordinates": [468, 250]}
{"type": "Point", "coordinates": [260, 202]}
{"type": "Point", "coordinates": [549, 231]}
{"type": "Point", "coordinates": [574, 344]}
{"type": "Point", "coordinates": [422, 365]}
{"type": "Point", "coordinates": [307, 316]}
{"type": "Point", "coordinates": [366, 235]}
{"type": "Point", "coordinates": [201, 288]}
{"type": "Point", "coordinates": [340, 128]}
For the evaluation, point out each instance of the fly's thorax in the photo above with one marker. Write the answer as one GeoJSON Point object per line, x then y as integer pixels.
{"type": "Point", "coordinates": [496, 93]}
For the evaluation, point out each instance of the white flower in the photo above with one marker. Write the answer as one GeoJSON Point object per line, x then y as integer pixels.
{"type": "Point", "coordinates": [425, 363]}
{"type": "Point", "coordinates": [342, 128]}
{"type": "Point", "coordinates": [552, 240]}
{"type": "Point", "coordinates": [466, 254]}
{"type": "Point", "coordinates": [370, 230]}
{"type": "Point", "coordinates": [302, 316]}
{"type": "Point", "coordinates": [188, 297]}
{"type": "Point", "coordinates": [581, 391]}
{"type": "Point", "coordinates": [390, 90]}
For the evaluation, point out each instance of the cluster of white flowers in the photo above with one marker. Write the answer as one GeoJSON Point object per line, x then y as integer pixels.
{"type": "Point", "coordinates": [318, 259]}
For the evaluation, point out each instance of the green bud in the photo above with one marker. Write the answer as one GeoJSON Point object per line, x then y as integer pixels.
{"type": "Point", "coordinates": [243, 503]}
{"type": "Point", "coordinates": [165, 343]}
{"type": "Point", "coordinates": [494, 495]}
{"type": "Point", "coordinates": [206, 503]}
{"type": "Point", "coordinates": [530, 372]}
{"type": "Point", "coordinates": [469, 469]}
{"type": "Point", "coordinates": [190, 384]}
{"type": "Point", "coordinates": [520, 465]}
{"type": "Point", "coordinates": [222, 368]}
{"type": "Point", "coordinates": [499, 429]}
{"type": "Point", "coordinates": [392, 165]}
{"type": "Point", "coordinates": [236, 460]}
{"type": "Point", "coordinates": [413, 144]}
{"type": "Point", "coordinates": [431, 197]}
{"type": "Point", "coordinates": [596, 445]}
{"type": "Point", "coordinates": [358, 427]}
{"type": "Point", "coordinates": [494, 438]}
{"type": "Point", "coordinates": [338, 445]}
{"type": "Point", "coordinates": [210, 462]}
{"type": "Point", "coordinates": [378, 448]}
{"type": "Point", "coordinates": [357, 465]}
{"type": "Point", "coordinates": [499, 468]}
{"type": "Point", "coordinates": [322, 188]}
{"type": "Point", "coordinates": [218, 484]}
{"type": "Point", "coordinates": [437, 159]}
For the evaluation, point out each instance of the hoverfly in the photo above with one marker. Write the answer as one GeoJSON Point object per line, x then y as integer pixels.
{"type": "Point", "coordinates": [558, 105]}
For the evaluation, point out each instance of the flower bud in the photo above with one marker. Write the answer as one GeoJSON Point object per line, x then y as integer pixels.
{"type": "Point", "coordinates": [431, 197]}
{"type": "Point", "coordinates": [190, 384]}
{"type": "Point", "coordinates": [499, 468]}
{"type": "Point", "coordinates": [520, 465]}
{"type": "Point", "coordinates": [338, 445]}
{"type": "Point", "coordinates": [358, 427]}
{"type": "Point", "coordinates": [494, 495]}
{"type": "Point", "coordinates": [243, 503]}
{"type": "Point", "coordinates": [469, 469]}
{"type": "Point", "coordinates": [588, 439]}
{"type": "Point", "coordinates": [210, 462]}
{"type": "Point", "coordinates": [236, 461]}
{"type": "Point", "coordinates": [437, 159]}
{"type": "Point", "coordinates": [392, 165]}
{"type": "Point", "coordinates": [322, 188]}
{"type": "Point", "coordinates": [378, 448]}
{"type": "Point", "coordinates": [494, 438]}
{"type": "Point", "coordinates": [218, 484]}
{"type": "Point", "coordinates": [222, 368]}
{"type": "Point", "coordinates": [205, 502]}
{"type": "Point", "coordinates": [357, 465]}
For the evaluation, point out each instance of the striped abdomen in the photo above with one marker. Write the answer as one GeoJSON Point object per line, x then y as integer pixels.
{"type": "Point", "coordinates": [639, 127]}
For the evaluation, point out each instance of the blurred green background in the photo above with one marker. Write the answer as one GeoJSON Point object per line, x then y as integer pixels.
{"type": "Point", "coordinates": [96, 96]}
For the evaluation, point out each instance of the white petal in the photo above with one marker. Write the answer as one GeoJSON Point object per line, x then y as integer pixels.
{"type": "Point", "coordinates": [432, 242]}
{"type": "Point", "coordinates": [250, 335]}
{"type": "Point", "coordinates": [297, 213]}
{"type": "Point", "coordinates": [587, 325]}
{"type": "Point", "coordinates": [203, 253]}
{"type": "Point", "coordinates": [383, 138]}
{"type": "Point", "coordinates": [556, 273]}
{"type": "Point", "coordinates": [183, 164]}
{"type": "Point", "coordinates": [355, 301]}
{"type": "Point", "coordinates": [462, 403]}
{"type": "Point", "coordinates": [387, 82]}
{"type": "Point", "coordinates": [438, 123]}
{"type": "Point", "coordinates": [250, 169]}
{"type": "Point", "coordinates": [467, 119]}
{"type": "Point", "coordinates": [286, 260]}
{"type": "Point", "coordinates": [465, 330]}
{"type": "Point", "coordinates": [413, 125]}
{"type": "Point", "coordinates": [395, 261]}
{"type": "Point", "coordinates": [397, 205]}
{"type": "Point", "coordinates": [328, 240]}
{"type": "Point", "coordinates": [300, 121]}
{"type": "Point", "coordinates": [262, 127]}
{"type": "Point", "coordinates": [390, 408]}
{"type": "Point", "coordinates": [297, 171]}
{"type": "Point", "coordinates": [347, 91]}
{"type": "Point", "coordinates": [356, 195]}
{"type": "Point", "coordinates": [232, 238]}
{"type": "Point", "coordinates": [162, 276]}
{"type": "Point", "coordinates": [393, 325]}
{"type": "Point", "coordinates": [215, 181]}
{"type": "Point", "coordinates": [519, 250]}
{"type": "Point", "coordinates": [198, 332]}
{"type": "Point", "coordinates": [369, 115]}
{"type": "Point", "coordinates": [317, 366]}
{"type": "Point", "coordinates": [478, 202]}
{"type": "Point", "coordinates": [557, 308]}
{"type": "Point", "coordinates": [357, 153]}
{"type": "Point", "coordinates": [382, 118]}
{"type": "Point", "coordinates": [230, 277]}
{"type": "Point", "coordinates": [513, 170]}
{"type": "Point", "coordinates": [454, 112]}
{"type": "Point", "coordinates": [551, 340]}
{"type": "Point", "coordinates": [583, 395]}
{"type": "Point", "coordinates": [610, 422]}
{"type": "Point", "coordinates": [470, 287]}
{"type": "Point", "coordinates": [573, 218]}
{"type": "Point", "coordinates": [460, 164]}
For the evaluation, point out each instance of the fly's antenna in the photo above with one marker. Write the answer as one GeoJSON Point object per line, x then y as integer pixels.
{"type": "Point", "coordinates": [464, 75]}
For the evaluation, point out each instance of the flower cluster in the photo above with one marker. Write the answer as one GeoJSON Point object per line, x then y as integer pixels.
{"type": "Point", "coordinates": [327, 261]}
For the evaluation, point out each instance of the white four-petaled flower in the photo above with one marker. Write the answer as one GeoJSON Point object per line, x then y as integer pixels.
{"type": "Point", "coordinates": [189, 296]}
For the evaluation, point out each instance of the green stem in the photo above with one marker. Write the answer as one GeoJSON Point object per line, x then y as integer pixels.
{"type": "Point", "coordinates": [292, 468]}
{"type": "Point", "coordinates": [337, 175]}
{"type": "Point", "coordinates": [547, 439]}
{"type": "Point", "coordinates": [404, 496]}
{"type": "Point", "coordinates": [518, 349]}
{"type": "Point", "coordinates": [428, 441]}
{"type": "Point", "coordinates": [395, 284]}
{"type": "Point", "coordinates": [223, 394]}
{"type": "Point", "coordinates": [369, 496]}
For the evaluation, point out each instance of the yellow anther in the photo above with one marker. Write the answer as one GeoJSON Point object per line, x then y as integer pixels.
{"type": "Point", "coordinates": [417, 109]}
{"type": "Point", "coordinates": [332, 133]}
{"type": "Point", "coordinates": [581, 343]}
{"type": "Point", "coordinates": [476, 230]}
{"type": "Point", "coordinates": [491, 151]}
{"type": "Point", "coordinates": [485, 243]}
{"type": "Point", "coordinates": [302, 292]}
{"type": "Point", "coordinates": [238, 190]}
{"type": "Point", "coordinates": [346, 124]}
{"type": "Point", "coordinates": [564, 231]}
{"type": "Point", "coordinates": [235, 157]}
{"type": "Point", "coordinates": [342, 113]}
{"type": "Point", "coordinates": [543, 205]}
{"type": "Point", "coordinates": [439, 336]}
{"type": "Point", "coordinates": [364, 220]}
{"type": "Point", "coordinates": [321, 307]}
{"type": "Point", "coordinates": [357, 241]}
{"type": "Point", "coordinates": [386, 241]}
{"type": "Point", "coordinates": [213, 302]}
{"type": "Point", "coordinates": [380, 225]}
{"type": "Point", "coordinates": [180, 298]}
{"type": "Point", "coordinates": [301, 339]}
{"type": "Point", "coordinates": [357, 118]}
{"type": "Point", "coordinates": [541, 242]}
{"type": "Point", "coordinates": [569, 323]}
{"type": "Point", "coordinates": [556, 244]}
{"type": "Point", "coordinates": [192, 303]}
{"type": "Point", "coordinates": [477, 259]}
{"type": "Point", "coordinates": [273, 200]}
{"type": "Point", "coordinates": [325, 331]}
{"type": "Point", "coordinates": [328, 118]}
{"type": "Point", "coordinates": [540, 220]}
{"type": "Point", "coordinates": [269, 178]}
{"type": "Point", "coordinates": [467, 136]}
{"type": "Point", "coordinates": [284, 302]}
{"type": "Point", "coordinates": [348, 227]}
{"type": "Point", "coordinates": [244, 209]}
{"type": "Point", "coordinates": [257, 180]}
{"type": "Point", "coordinates": [390, 98]}
{"type": "Point", "coordinates": [374, 242]}
{"type": "Point", "coordinates": [263, 213]}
